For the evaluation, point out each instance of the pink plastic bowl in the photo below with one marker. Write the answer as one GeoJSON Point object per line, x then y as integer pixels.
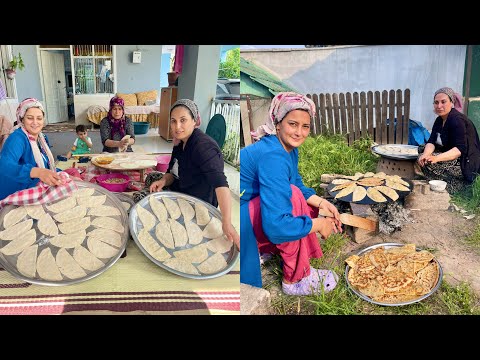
{"type": "Point", "coordinates": [162, 162]}
{"type": "Point", "coordinates": [113, 187]}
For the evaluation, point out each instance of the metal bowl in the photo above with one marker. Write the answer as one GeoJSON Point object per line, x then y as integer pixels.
{"type": "Point", "coordinates": [387, 246]}
{"type": "Point", "coordinates": [136, 225]}
{"type": "Point", "coordinates": [9, 262]}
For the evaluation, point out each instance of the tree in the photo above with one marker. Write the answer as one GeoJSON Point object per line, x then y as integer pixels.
{"type": "Point", "coordinates": [230, 68]}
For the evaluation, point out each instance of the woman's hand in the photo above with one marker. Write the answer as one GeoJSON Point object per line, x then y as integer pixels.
{"type": "Point", "coordinates": [328, 206]}
{"type": "Point", "coordinates": [231, 234]}
{"type": "Point", "coordinates": [424, 159]}
{"type": "Point", "coordinates": [325, 226]}
{"type": "Point", "coordinates": [49, 177]}
{"type": "Point", "coordinates": [124, 143]}
{"type": "Point", "coordinates": [431, 159]}
{"type": "Point", "coordinates": [157, 186]}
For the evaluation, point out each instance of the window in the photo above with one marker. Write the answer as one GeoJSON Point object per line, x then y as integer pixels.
{"type": "Point", "coordinates": [8, 85]}
{"type": "Point", "coordinates": [93, 69]}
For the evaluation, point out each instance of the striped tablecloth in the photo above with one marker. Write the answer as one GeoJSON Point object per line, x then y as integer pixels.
{"type": "Point", "coordinates": [133, 285]}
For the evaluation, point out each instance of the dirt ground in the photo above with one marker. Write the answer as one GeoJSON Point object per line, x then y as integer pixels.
{"type": "Point", "coordinates": [437, 229]}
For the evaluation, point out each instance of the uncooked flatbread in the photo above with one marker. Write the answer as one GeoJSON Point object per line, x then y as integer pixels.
{"type": "Point", "coordinates": [27, 261]}
{"type": "Point", "coordinates": [187, 210]}
{"type": "Point", "coordinates": [213, 229]}
{"type": "Point", "coordinates": [129, 165]}
{"type": "Point", "coordinates": [76, 212]}
{"type": "Point", "coordinates": [47, 267]}
{"type": "Point", "coordinates": [202, 214]}
{"type": "Point", "coordinates": [179, 233]}
{"type": "Point", "coordinates": [396, 186]}
{"type": "Point", "coordinates": [213, 264]}
{"type": "Point", "coordinates": [172, 208]}
{"type": "Point", "coordinates": [340, 181]}
{"type": "Point", "coordinates": [92, 201]}
{"type": "Point", "coordinates": [163, 232]}
{"type": "Point", "coordinates": [104, 210]}
{"type": "Point", "coordinates": [196, 254]}
{"type": "Point", "coordinates": [62, 205]}
{"type": "Point", "coordinates": [147, 241]}
{"type": "Point", "coordinates": [107, 236]}
{"type": "Point", "coordinates": [69, 240]}
{"type": "Point", "coordinates": [35, 211]}
{"type": "Point", "coordinates": [146, 217]}
{"type": "Point", "coordinates": [158, 208]}
{"type": "Point", "coordinates": [359, 193]}
{"type": "Point", "coordinates": [126, 205]}
{"type": "Point", "coordinates": [346, 191]}
{"type": "Point", "coordinates": [73, 226]}
{"type": "Point", "coordinates": [86, 259]}
{"type": "Point", "coordinates": [47, 225]}
{"type": "Point", "coordinates": [181, 265]}
{"type": "Point", "coordinates": [68, 266]}
{"type": "Point", "coordinates": [14, 216]}
{"type": "Point", "coordinates": [19, 244]}
{"type": "Point", "coordinates": [392, 194]}
{"type": "Point", "coordinates": [106, 222]}
{"type": "Point", "coordinates": [100, 249]}
{"type": "Point", "coordinates": [84, 192]}
{"type": "Point", "coordinates": [16, 230]}
{"type": "Point", "coordinates": [161, 254]}
{"type": "Point", "coordinates": [375, 195]}
{"type": "Point", "coordinates": [195, 234]}
{"type": "Point", "coordinates": [219, 244]}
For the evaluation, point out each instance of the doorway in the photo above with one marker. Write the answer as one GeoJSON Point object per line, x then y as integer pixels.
{"type": "Point", "coordinates": [57, 91]}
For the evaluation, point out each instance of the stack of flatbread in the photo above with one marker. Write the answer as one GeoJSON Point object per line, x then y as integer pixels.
{"type": "Point", "coordinates": [394, 275]}
{"type": "Point", "coordinates": [182, 235]}
{"type": "Point", "coordinates": [378, 187]}
{"type": "Point", "coordinates": [64, 240]}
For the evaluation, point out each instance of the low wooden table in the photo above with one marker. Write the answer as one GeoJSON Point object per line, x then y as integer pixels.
{"type": "Point", "coordinates": [129, 161]}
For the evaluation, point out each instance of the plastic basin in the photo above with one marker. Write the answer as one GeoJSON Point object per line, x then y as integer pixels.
{"type": "Point", "coordinates": [115, 187]}
{"type": "Point", "coordinates": [162, 162]}
{"type": "Point", "coordinates": [141, 127]}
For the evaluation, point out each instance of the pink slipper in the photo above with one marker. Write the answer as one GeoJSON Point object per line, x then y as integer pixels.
{"type": "Point", "coordinates": [312, 283]}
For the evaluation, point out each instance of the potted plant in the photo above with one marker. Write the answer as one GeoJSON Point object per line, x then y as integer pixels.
{"type": "Point", "coordinates": [172, 74]}
{"type": "Point", "coordinates": [13, 65]}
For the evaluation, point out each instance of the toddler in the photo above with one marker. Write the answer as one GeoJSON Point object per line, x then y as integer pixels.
{"type": "Point", "coordinates": [82, 144]}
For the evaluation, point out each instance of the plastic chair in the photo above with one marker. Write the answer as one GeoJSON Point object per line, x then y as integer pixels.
{"type": "Point", "coordinates": [217, 129]}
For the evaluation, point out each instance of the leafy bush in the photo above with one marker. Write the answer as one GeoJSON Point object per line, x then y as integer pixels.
{"type": "Point", "coordinates": [331, 155]}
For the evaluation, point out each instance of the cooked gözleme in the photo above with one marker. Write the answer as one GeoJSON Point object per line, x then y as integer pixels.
{"type": "Point", "coordinates": [393, 275]}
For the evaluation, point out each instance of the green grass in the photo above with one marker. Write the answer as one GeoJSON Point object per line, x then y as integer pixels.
{"type": "Point", "coordinates": [447, 300]}
{"type": "Point", "coordinates": [474, 238]}
{"type": "Point", "coordinates": [469, 199]}
{"type": "Point", "coordinates": [330, 154]}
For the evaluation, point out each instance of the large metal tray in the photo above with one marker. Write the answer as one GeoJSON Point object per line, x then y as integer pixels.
{"type": "Point", "coordinates": [136, 225]}
{"type": "Point", "coordinates": [366, 200]}
{"type": "Point", "coordinates": [387, 246]}
{"type": "Point", "coordinates": [9, 262]}
{"type": "Point", "coordinates": [384, 151]}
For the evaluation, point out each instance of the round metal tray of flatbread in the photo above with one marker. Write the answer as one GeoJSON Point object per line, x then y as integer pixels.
{"type": "Point", "coordinates": [397, 151]}
{"type": "Point", "coordinates": [135, 225]}
{"type": "Point", "coordinates": [387, 246]}
{"type": "Point", "coordinates": [9, 262]}
{"type": "Point", "coordinates": [366, 200]}
{"type": "Point", "coordinates": [125, 199]}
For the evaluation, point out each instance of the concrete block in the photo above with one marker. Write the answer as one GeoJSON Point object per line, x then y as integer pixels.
{"type": "Point", "coordinates": [253, 300]}
{"type": "Point", "coordinates": [327, 178]}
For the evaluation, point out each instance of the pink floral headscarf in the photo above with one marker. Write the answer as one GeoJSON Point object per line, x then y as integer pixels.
{"type": "Point", "coordinates": [190, 105]}
{"type": "Point", "coordinates": [455, 98]}
{"type": "Point", "coordinates": [21, 110]}
{"type": "Point", "coordinates": [281, 105]}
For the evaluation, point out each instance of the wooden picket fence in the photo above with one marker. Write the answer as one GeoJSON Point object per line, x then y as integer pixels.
{"type": "Point", "coordinates": [363, 114]}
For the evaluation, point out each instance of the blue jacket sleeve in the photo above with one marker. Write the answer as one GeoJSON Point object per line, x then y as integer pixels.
{"type": "Point", "coordinates": [278, 223]}
{"type": "Point", "coordinates": [306, 191]}
{"type": "Point", "coordinates": [10, 165]}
